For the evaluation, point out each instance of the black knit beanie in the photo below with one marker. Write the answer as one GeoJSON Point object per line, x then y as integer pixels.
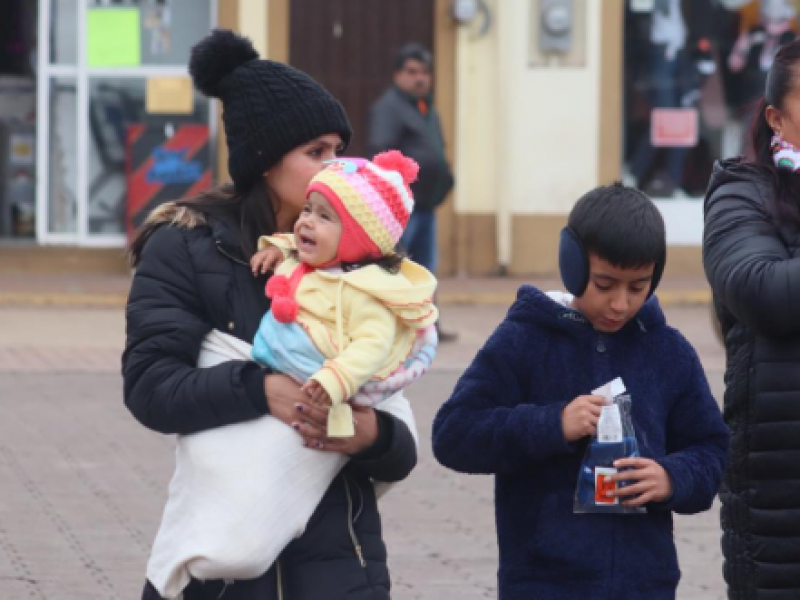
{"type": "Point", "coordinates": [269, 108]}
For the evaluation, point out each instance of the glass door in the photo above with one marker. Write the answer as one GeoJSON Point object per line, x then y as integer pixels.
{"type": "Point", "coordinates": [109, 69]}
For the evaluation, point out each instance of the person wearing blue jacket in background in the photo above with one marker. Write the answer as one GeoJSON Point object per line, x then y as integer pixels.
{"type": "Point", "coordinates": [523, 412]}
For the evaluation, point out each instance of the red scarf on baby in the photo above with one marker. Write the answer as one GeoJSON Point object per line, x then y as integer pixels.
{"type": "Point", "coordinates": [281, 290]}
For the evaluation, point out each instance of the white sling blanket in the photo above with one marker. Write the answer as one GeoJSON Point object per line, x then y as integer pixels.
{"type": "Point", "coordinates": [242, 492]}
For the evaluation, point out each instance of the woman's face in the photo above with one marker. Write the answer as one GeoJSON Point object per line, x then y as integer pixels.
{"type": "Point", "coordinates": [288, 179]}
{"type": "Point", "coordinates": [785, 122]}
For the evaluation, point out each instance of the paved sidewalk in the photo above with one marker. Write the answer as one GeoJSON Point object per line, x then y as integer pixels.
{"type": "Point", "coordinates": [82, 485]}
{"type": "Point", "coordinates": [110, 290]}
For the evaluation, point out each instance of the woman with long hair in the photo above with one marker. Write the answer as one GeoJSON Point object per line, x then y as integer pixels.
{"type": "Point", "coordinates": [751, 254]}
{"type": "Point", "coordinates": [193, 276]}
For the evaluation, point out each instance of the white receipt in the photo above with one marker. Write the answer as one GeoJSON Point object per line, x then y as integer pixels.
{"type": "Point", "coordinates": [610, 390]}
{"type": "Point", "coordinates": [609, 428]}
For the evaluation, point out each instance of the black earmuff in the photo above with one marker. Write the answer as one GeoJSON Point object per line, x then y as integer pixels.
{"type": "Point", "coordinates": [573, 262]}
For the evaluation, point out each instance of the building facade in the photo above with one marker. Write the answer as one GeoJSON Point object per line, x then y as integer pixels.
{"type": "Point", "coordinates": [541, 100]}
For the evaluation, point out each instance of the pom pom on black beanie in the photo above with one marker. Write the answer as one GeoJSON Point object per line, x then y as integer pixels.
{"type": "Point", "coordinates": [269, 108]}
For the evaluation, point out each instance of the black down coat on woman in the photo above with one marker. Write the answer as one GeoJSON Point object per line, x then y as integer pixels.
{"type": "Point", "coordinates": [192, 278]}
{"type": "Point", "coordinates": [752, 260]}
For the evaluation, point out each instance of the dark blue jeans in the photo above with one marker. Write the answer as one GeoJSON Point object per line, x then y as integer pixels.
{"type": "Point", "coordinates": [419, 239]}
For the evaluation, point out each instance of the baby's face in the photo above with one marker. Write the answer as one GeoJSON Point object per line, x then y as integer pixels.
{"type": "Point", "coordinates": [317, 231]}
{"type": "Point", "coordinates": [614, 295]}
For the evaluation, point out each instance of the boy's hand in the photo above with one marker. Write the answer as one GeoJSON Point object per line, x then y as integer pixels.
{"type": "Point", "coordinates": [319, 397]}
{"type": "Point", "coordinates": [580, 417]}
{"type": "Point", "coordinates": [267, 259]}
{"type": "Point", "coordinates": [649, 481]}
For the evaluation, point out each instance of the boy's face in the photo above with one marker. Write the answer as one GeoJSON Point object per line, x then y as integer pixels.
{"type": "Point", "coordinates": [614, 295]}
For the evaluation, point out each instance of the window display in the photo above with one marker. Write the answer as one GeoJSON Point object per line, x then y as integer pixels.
{"type": "Point", "coordinates": [693, 69]}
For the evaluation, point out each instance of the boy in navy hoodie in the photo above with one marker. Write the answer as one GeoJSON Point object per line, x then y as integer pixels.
{"type": "Point", "coordinates": [523, 412]}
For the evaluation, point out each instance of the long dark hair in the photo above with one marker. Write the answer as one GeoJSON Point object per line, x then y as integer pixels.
{"type": "Point", "coordinates": [252, 209]}
{"type": "Point", "coordinates": [783, 77]}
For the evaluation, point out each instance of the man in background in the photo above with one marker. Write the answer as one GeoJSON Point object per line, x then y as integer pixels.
{"type": "Point", "coordinates": [404, 119]}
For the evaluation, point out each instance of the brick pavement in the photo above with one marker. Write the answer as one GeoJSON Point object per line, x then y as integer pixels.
{"type": "Point", "coordinates": [82, 485]}
{"type": "Point", "coordinates": [109, 290]}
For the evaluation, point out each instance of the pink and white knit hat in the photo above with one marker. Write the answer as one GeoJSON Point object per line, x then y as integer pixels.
{"type": "Point", "coordinates": [373, 200]}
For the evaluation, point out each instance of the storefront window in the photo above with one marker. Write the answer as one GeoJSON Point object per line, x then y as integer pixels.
{"type": "Point", "coordinates": [122, 128]}
{"type": "Point", "coordinates": [63, 156]}
{"type": "Point", "coordinates": [18, 119]}
{"type": "Point", "coordinates": [164, 31]}
{"type": "Point", "coordinates": [693, 71]}
{"type": "Point", "coordinates": [116, 106]}
{"type": "Point", "coordinates": [64, 32]}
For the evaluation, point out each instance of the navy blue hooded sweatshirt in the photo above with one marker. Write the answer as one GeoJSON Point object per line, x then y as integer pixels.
{"type": "Point", "coordinates": [504, 418]}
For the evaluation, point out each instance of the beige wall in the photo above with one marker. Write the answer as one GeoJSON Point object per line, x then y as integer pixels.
{"type": "Point", "coordinates": [477, 118]}
{"type": "Point", "coordinates": [266, 23]}
{"type": "Point", "coordinates": [527, 135]}
{"type": "Point", "coordinates": [252, 23]}
{"type": "Point", "coordinates": [533, 134]}
{"type": "Point", "coordinates": [552, 120]}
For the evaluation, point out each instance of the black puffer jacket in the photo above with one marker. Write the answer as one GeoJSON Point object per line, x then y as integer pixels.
{"type": "Point", "coordinates": [753, 264]}
{"type": "Point", "coordinates": [192, 278]}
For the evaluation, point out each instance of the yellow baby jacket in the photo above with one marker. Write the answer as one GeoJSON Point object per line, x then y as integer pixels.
{"type": "Point", "coordinates": [363, 321]}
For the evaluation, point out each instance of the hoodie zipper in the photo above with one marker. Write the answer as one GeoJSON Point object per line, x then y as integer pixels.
{"type": "Point", "coordinates": [350, 525]}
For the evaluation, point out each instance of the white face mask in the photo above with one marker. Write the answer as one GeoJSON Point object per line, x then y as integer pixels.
{"type": "Point", "coordinates": [784, 154]}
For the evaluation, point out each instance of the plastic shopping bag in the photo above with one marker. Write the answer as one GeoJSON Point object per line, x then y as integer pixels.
{"type": "Point", "coordinates": [615, 439]}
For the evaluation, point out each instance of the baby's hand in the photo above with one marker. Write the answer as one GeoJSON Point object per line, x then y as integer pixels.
{"type": "Point", "coordinates": [318, 395]}
{"type": "Point", "coordinates": [265, 260]}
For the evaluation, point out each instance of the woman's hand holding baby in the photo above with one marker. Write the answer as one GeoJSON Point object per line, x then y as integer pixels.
{"type": "Point", "coordinates": [366, 434]}
{"type": "Point", "coordinates": [307, 414]}
{"type": "Point", "coordinates": [283, 395]}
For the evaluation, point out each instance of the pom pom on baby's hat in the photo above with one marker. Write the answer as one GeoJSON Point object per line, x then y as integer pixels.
{"type": "Point", "coordinates": [393, 160]}
{"type": "Point", "coordinates": [217, 55]}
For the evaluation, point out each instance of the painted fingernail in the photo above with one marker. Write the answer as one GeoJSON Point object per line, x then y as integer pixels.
{"type": "Point", "coordinates": [296, 426]}
{"type": "Point", "coordinates": [299, 407]}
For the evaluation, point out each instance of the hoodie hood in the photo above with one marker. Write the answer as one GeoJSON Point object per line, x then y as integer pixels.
{"type": "Point", "coordinates": [551, 310]}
